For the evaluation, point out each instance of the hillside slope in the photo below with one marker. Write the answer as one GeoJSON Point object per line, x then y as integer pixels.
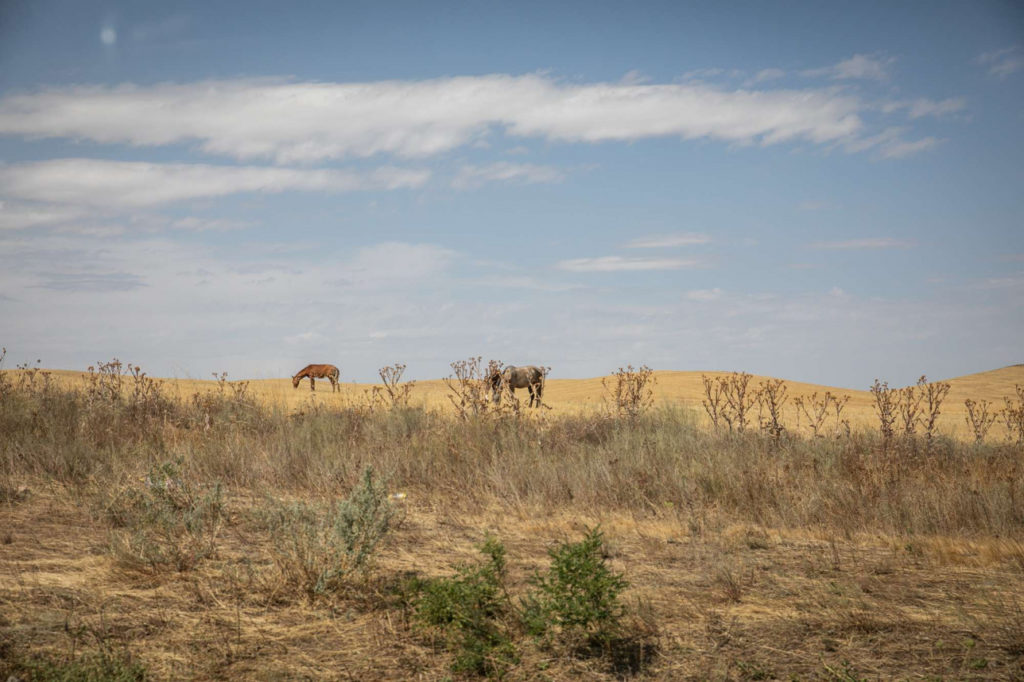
{"type": "Point", "coordinates": [571, 395]}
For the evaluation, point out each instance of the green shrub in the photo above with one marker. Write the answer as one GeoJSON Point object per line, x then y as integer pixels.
{"type": "Point", "coordinates": [164, 521]}
{"type": "Point", "coordinates": [579, 594]}
{"type": "Point", "coordinates": [468, 609]}
{"type": "Point", "coordinates": [317, 549]}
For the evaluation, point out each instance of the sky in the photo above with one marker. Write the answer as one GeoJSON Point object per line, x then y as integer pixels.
{"type": "Point", "coordinates": [824, 192]}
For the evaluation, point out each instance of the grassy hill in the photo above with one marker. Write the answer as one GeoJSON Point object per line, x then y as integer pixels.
{"type": "Point", "coordinates": [582, 395]}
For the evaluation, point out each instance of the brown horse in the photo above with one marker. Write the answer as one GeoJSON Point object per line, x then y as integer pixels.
{"type": "Point", "coordinates": [529, 377]}
{"type": "Point", "coordinates": [315, 372]}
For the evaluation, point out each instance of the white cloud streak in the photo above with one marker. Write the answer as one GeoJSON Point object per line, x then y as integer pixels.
{"type": "Point", "coordinates": [916, 108]}
{"type": "Point", "coordinates": [470, 176]}
{"type": "Point", "coordinates": [98, 183]}
{"type": "Point", "coordinates": [857, 67]}
{"type": "Point", "coordinates": [302, 122]}
{"type": "Point", "coordinates": [1002, 63]}
{"type": "Point", "coordinates": [620, 264]}
{"type": "Point", "coordinates": [20, 216]}
{"type": "Point", "coordinates": [870, 243]}
{"type": "Point", "coordinates": [704, 294]}
{"type": "Point", "coordinates": [669, 241]}
{"type": "Point", "coordinates": [889, 144]}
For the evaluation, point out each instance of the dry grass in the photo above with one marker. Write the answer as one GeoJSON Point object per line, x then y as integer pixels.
{"type": "Point", "coordinates": [575, 396]}
{"type": "Point", "coordinates": [749, 556]}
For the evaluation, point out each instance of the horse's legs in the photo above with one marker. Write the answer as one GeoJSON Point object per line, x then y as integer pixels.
{"type": "Point", "coordinates": [540, 394]}
{"type": "Point", "coordinates": [529, 387]}
{"type": "Point", "coordinates": [334, 385]}
{"type": "Point", "coordinates": [312, 383]}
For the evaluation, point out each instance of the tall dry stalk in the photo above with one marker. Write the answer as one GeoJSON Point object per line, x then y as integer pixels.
{"type": "Point", "coordinates": [979, 418]}
{"type": "Point", "coordinates": [771, 399]}
{"type": "Point", "coordinates": [632, 391]}
{"type": "Point", "coordinates": [1013, 416]}
{"type": "Point", "coordinates": [908, 405]}
{"type": "Point", "coordinates": [468, 386]}
{"type": "Point", "coordinates": [739, 399]}
{"type": "Point", "coordinates": [105, 382]}
{"type": "Point", "coordinates": [392, 393]}
{"type": "Point", "coordinates": [713, 396]}
{"type": "Point", "coordinates": [885, 409]}
{"type": "Point", "coordinates": [814, 411]}
{"type": "Point", "coordinates": [5, 384]}
{"type": "Point", "coordinates": [933, 394]}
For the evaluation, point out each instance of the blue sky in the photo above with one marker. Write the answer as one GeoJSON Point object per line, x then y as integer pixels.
{"type": "Point", "coordinates": [822, 192]}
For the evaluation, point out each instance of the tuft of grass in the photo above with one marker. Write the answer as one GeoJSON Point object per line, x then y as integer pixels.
{"type": "Point", "coordinates": [318, 549]}
{"type": "Point", "coordinates": [104, 665]}
{"type": "Point", "coordinates": [164, 521]}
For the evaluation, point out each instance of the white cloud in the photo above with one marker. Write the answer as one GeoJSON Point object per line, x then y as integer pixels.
{"type": "Point", "coordinates": [619, 264]}
{"type": "Point", "coordinates": [99, 231]}
{"type": "Point", "coordinates": [768, 74]}
{"type": "Point", "coordinates": [525, 282]}
{"type": "Point", "coordinates": [900, 149]}
{"type": "Point", "coordinates": [764, 75]}
{"type": "Point", "coordinates": [869, 243]}
{"type": "Point", "coordinates": [857, 67]}
{"type": "Point", "coordinates": [19, 216]}
{"type": "Point", "coordinates": [304, 338]}
{"type": "Point", "coordinates": [132, 184]}
{"type": "Point", "coordinates": [291, 122]}
{"type": "Point", "coordinates": [470, 176]}
{"type": "Point", "coordinates": [889, 144]}
{"type": "Point", "coordinates": [195, 224]}
{"type": "Point", "coordinates": [922, 106]}
{"type": "Point", "coordinates": [704, 294]}
{"type": "Point", "coordinates": [1002, 62]}
{"type": "Point", "coordinates": [398, 263]}
{"type": "Point", "coordinates": [669, 240]}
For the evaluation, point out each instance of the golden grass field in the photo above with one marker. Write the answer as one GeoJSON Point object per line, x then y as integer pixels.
{"type": "Point", "coordinates": [567, 396]}
{"type": "Point", "coordinates": [828, 559]}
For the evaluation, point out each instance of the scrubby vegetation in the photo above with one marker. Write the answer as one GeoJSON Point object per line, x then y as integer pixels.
{"type": "Point", "coordinates": [363, 514]}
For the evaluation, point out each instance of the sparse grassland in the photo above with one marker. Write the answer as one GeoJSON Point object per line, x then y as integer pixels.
{"type": "Point", "coordinates": [179, 532]}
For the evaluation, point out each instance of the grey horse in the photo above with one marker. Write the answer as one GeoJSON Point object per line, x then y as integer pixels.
{"type": "Point", "coordinates": [529, 377]}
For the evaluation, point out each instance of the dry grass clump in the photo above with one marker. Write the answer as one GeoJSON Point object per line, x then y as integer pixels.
{"type": "Point", "coordinates": [163, 521]}
{"type": "Point", "coordinates": [318, 549]}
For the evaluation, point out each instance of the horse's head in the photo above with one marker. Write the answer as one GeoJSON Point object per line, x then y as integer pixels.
{"type": "Point", "coordinates": [495, 381]}
{"type": "Point", "coordinates": [295, 381]}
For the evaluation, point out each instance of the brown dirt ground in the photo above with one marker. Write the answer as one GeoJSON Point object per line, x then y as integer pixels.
{"type": "Point", "coordinates": [714, 600]}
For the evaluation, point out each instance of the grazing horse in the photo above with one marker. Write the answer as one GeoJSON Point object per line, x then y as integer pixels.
{"type": "Point", "coordinates": [529, 377]}
{"type": "Point", "coordinates": [315, 372]}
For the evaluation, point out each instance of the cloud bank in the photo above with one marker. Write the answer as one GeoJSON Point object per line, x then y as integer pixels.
{"type": "Point", "coordinates": [291, 122]}
{"type": "Point", "coordinates": [98, 183]}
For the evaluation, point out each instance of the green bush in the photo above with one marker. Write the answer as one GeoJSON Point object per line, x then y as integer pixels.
{"type": "Point", "coordinates": [317, 549]}
{"type": "Point", "coordinates": [579, 594]}
{"type": "Point", "coordinates": [164, 521]}
{"type": "Point", "coordinates": [468, 609]}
